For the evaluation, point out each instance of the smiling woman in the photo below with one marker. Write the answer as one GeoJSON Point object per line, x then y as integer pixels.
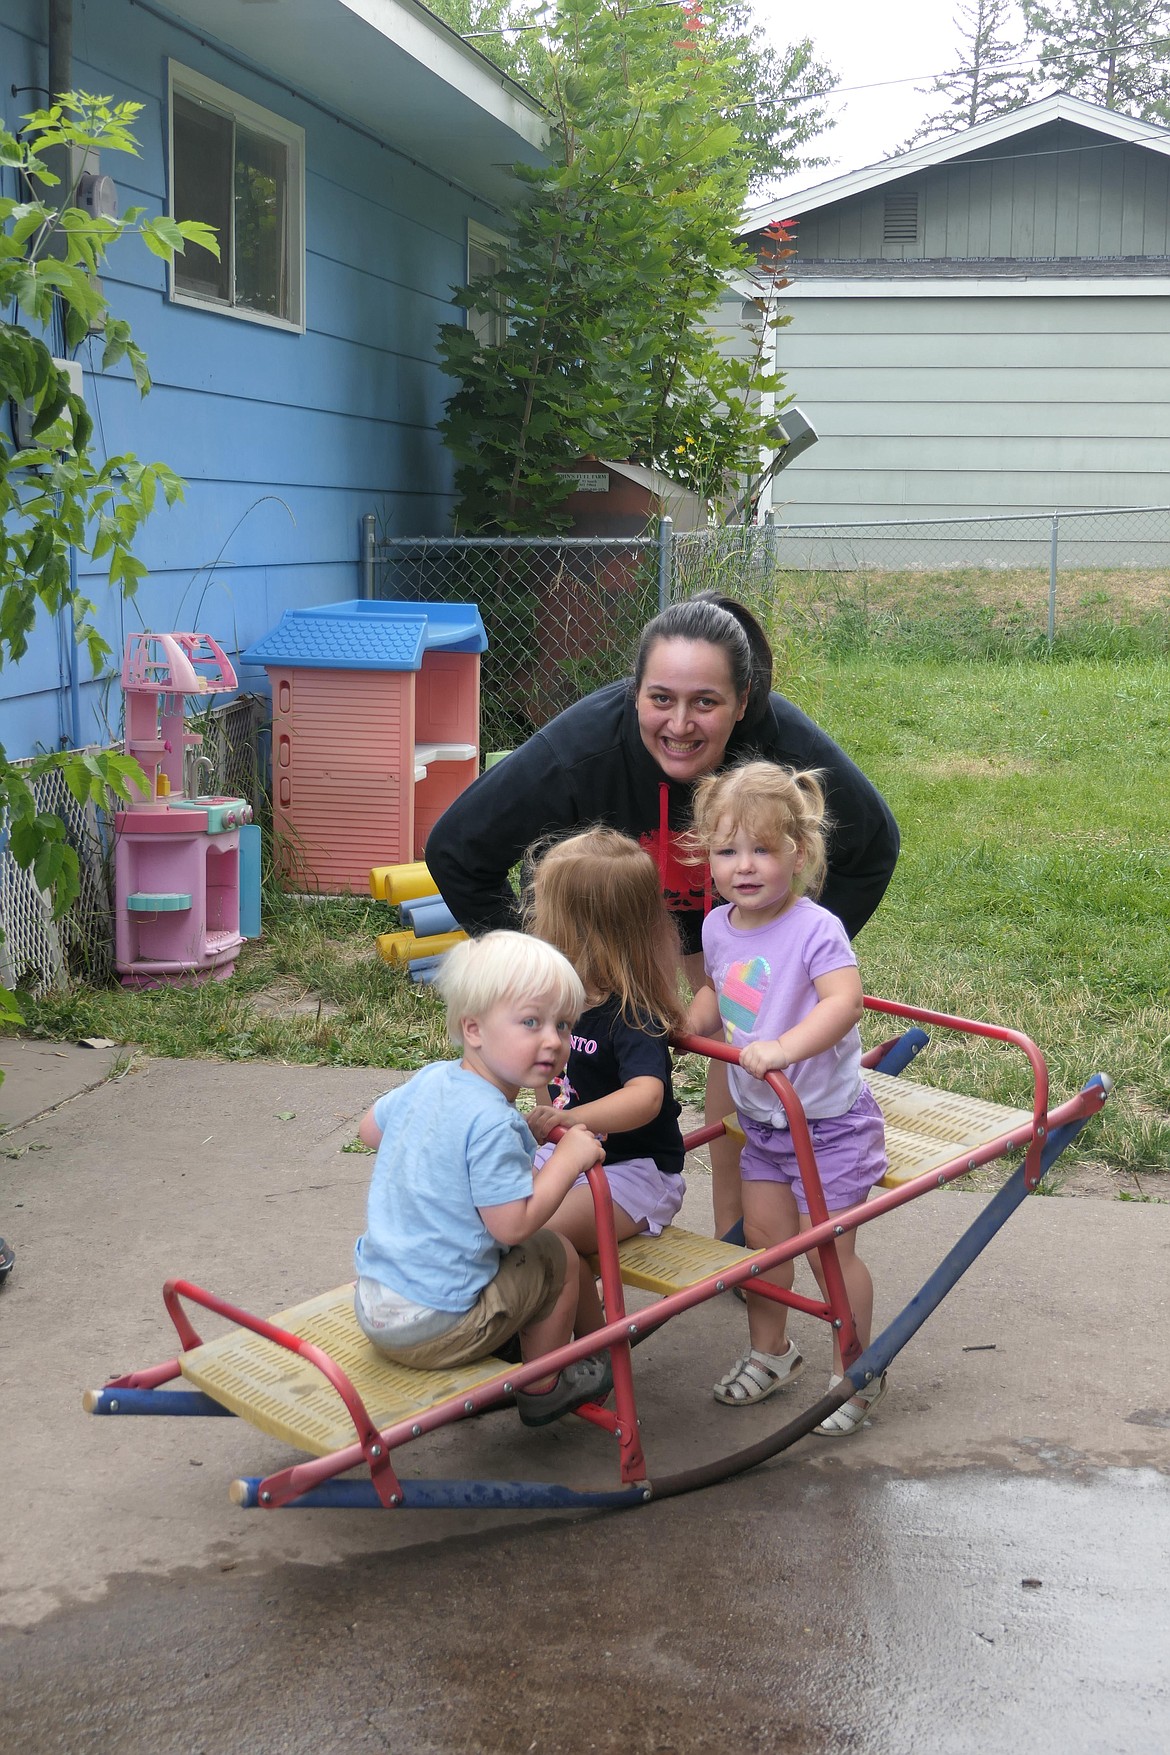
{"type": "Point", "coordinates": [628, 756]}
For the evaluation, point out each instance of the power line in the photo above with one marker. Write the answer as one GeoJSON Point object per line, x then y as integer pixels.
{"type": "Point", "coordinates": [1022, 64]}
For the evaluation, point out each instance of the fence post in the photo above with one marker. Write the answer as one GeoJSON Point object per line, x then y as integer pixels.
{"type": "Point", "coordinates": [665, 533]}
{"type": "Point", "coordinates": [366, 527]}
{"type": "Point", "coordinates": [1052, 554]}
{"type": "Point", "coordinates": [769, 545]}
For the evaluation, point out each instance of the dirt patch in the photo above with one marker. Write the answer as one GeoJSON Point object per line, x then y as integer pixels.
{"type": "Point", "coordinates": [291, 1000]}
{"type": "Point", "coordinates": [977, 767]}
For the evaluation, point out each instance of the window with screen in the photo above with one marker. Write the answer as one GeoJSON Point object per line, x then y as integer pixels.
{"type": "Point", "coordinates": [239, 168]}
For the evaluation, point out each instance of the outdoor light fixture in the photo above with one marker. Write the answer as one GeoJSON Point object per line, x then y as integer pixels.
{"type": "Point", "coordinates": [793, 434]}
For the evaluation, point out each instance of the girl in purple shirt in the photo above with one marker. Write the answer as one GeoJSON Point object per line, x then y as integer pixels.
{"type": "Point", "coordinates": [783, 988]}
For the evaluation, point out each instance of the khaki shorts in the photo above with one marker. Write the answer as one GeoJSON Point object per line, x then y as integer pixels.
{"type": "Point", "coordinates": [524, 1290]}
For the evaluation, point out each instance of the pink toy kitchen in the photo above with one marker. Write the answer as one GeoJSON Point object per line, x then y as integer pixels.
{"type": "Point", "coordinates": [177, 843]}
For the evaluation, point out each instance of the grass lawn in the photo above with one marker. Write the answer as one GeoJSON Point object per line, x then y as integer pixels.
{"type": "Point", "coordinates": [1034, 884]}
{"type": "Point", "coordinates": [1032, 891]}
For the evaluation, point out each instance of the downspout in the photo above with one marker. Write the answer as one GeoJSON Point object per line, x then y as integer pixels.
{"type": "Point", "coordinates": [74, 657]}
{"type": "Point", "coordinates": [60, 47]}
{"type": "Point", "coordinates": [60, 81]}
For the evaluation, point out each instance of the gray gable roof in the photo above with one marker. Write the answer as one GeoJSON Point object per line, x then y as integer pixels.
{"type": "Point", "coordinates": [1059, 107]}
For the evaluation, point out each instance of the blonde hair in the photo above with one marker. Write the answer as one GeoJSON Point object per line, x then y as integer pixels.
{"type": "Point", "coordinates": [772, 803]}
{"type": "Point", "coordinates": [596, 896]}
{"type": "Point", "coordinates": [479, 973]}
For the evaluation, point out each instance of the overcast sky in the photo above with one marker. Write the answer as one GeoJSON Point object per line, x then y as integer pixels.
{"type": "Point", "coordinates": [890, 47]}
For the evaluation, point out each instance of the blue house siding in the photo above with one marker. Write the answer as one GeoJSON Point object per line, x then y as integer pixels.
{"type": "Point", "coordinates": [284, 440]}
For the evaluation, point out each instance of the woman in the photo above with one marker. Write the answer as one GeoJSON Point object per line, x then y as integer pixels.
{"type": "Point", "coordinates": [629, 755]}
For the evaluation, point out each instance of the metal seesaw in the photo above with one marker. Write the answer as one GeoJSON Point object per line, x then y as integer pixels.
{"type": "Point", "coordinates": [310, 1378]}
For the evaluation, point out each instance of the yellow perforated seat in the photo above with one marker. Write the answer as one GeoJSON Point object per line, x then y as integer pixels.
{"type": "Point", "coordinates": [925, 1129]}
{"type": "Point", "coordinates": [675, 1259]}
{"type": "Point", "coordinates": [287, 1397]}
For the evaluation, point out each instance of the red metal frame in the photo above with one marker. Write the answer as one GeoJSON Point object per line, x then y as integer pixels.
{"type": "Point", "coordinates": [374, 1447]}
{"type": "Point", "coordinates": [836, 1309]}
{"type": "Point", "coordinates": [370, 1444]}
{"type": "Point", "coordinates": [996, 1033]}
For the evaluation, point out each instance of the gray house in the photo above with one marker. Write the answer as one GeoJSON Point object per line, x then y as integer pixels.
{"type": "Point", "coordinates": [982, 325]}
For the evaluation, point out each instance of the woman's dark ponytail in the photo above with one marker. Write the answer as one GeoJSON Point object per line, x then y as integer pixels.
{"type": "Point", "coordinates": [717, 621]}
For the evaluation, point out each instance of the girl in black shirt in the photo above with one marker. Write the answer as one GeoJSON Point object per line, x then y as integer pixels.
{"type": "Point", "coordinates": [596, 897]}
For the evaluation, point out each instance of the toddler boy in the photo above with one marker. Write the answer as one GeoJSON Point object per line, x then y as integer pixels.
{"type": "Point", "coordinates": [454, 1259]}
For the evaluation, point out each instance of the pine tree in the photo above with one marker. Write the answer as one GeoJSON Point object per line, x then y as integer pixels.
{"type": "Point", "coordinates": [988, 79]}
{"type": "Point", "coordinates": [1110, 52]}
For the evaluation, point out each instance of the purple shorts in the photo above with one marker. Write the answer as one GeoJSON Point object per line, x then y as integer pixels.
{"type": "Point", "coordinates": [638, 1186]}
{"type": "Point", "coordinates": [850, 1152]}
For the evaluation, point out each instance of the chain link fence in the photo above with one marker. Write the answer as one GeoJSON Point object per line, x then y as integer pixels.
{"type": "Point", "coordinates": [563, 615]}
{"type": "Point", "coordinates": [1039, 561]}
{"type": "Point", "coordinates": [39, 952]}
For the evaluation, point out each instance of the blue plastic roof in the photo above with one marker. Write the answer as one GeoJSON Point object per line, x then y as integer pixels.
{"type": "Point", "coordinates": [368, 635]}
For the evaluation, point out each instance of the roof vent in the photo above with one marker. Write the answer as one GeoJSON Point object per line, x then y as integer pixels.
{"type": "Point", "coordinates": [900, 224]}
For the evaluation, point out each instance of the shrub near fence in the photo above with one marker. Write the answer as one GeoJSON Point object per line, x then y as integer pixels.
{"type": "Point", "coordinates": [562, 616]}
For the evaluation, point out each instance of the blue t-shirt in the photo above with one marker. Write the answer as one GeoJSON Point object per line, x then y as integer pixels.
{"type": "Point", "coordinates": [451, 1143]}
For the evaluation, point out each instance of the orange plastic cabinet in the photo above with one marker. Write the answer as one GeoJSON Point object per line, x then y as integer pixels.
{"type": "Point", "coordinates": [375, 729]}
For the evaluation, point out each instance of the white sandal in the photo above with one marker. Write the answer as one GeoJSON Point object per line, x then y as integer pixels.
{"type": "Point", "coordinates": [852, 1415]}
{"type": "Point", "coordinates": [758, 1375]}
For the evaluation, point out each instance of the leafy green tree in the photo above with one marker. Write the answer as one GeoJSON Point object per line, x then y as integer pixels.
{"type": "Point", "coordinates": [619, 253]}
{"type": "Point", "coordinates": [777, 96]}
{"type": "Point", "coordinates": [989, 77]}
{"type": "Point", "coordinates": [55, 493]}
{"type": "Point", "coordinates": [505, 31]}
{"type": "Point", "coordinates": [781, 102]}
{"type": "Point", "coordinates": [1110, 52]}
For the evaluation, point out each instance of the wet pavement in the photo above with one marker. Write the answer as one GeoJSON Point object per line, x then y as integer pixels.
{"type": "Point", "coordinates": [791, 1610]}
{"type": "Point", "coordinates": [985, 1567]}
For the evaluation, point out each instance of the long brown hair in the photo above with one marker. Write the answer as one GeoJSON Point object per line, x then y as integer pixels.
{"type": "Point", "coordinates": [595, 896]}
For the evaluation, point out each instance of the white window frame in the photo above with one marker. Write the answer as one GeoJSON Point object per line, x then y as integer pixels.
{"type": "Point", "coordinates": [493, 323]}
{"type": "Point", "coordinates": [254, 116]}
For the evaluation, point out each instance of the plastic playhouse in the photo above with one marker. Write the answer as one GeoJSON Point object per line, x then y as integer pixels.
{"type": "Point", "coordinates": [176, 849]}
{"type": "Point", "coordinates": [375, 730]}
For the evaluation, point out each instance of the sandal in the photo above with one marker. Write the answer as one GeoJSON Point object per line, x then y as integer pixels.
{"type": "Point", "coordinates": [758, 1375]}
{"type": "Point", "coordinates": [852, 1415]}
{"type": "Point", "coordinates": [7, 1260]}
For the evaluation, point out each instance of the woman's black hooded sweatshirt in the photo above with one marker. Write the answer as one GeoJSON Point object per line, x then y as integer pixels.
{"type": "Point", "coordinates": [589, 765]}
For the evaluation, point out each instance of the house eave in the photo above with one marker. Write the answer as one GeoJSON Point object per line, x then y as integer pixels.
{"type": "Point", "coordinates": [390, 67]}
{"type": "Point", "coordinates": [1058, 107]}
{"type": "Point", "coordinates": [993, 287]}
